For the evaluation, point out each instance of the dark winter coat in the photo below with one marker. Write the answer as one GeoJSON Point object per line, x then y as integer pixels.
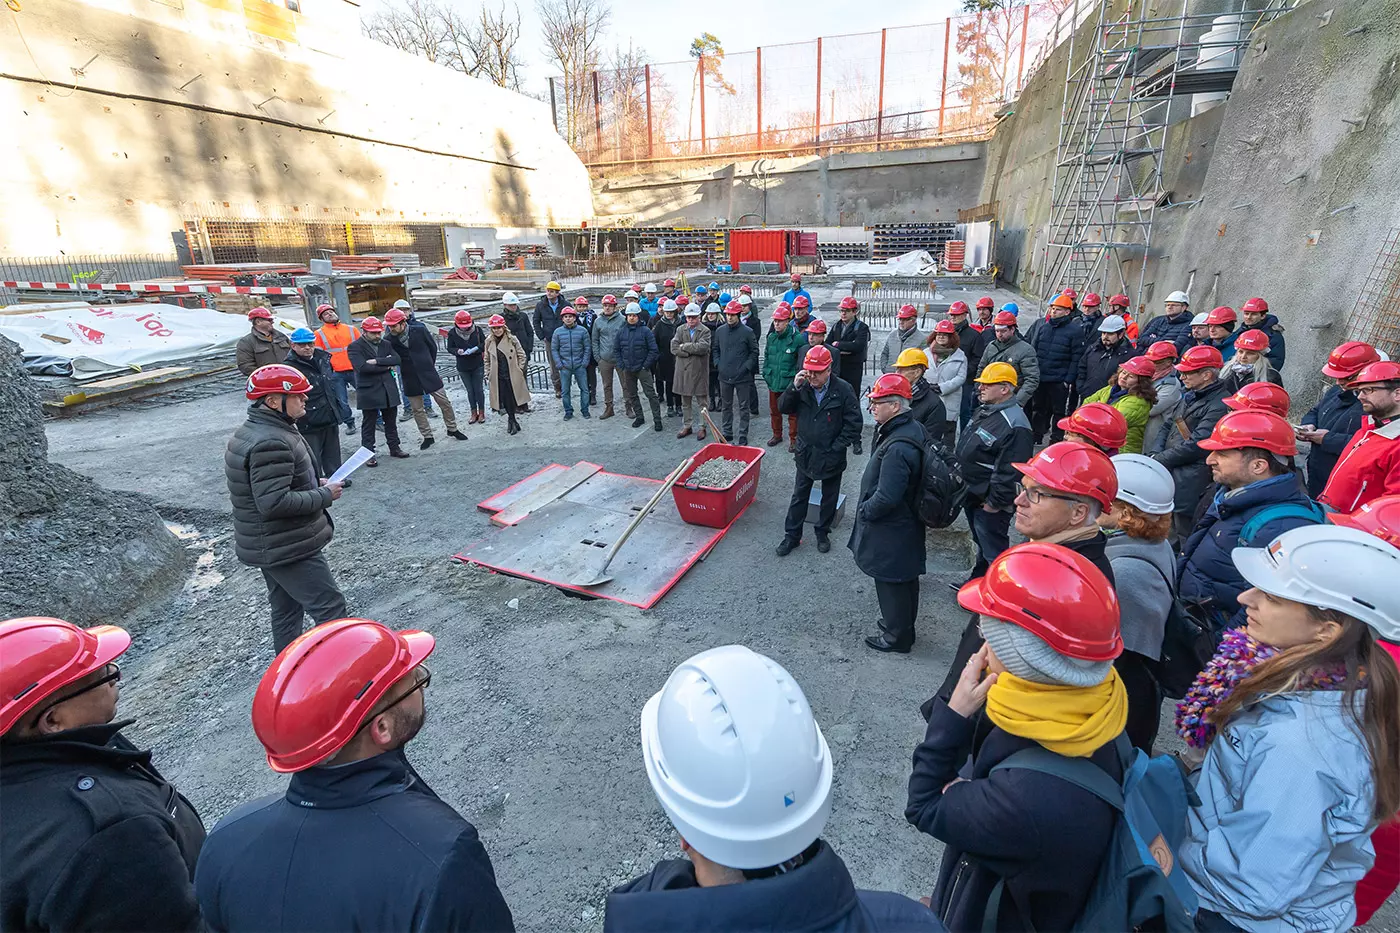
{"type": "Point", "coordinates": [971, 341]}
{"type": "Point", "coordinates": [927, 408]}
{"type": "Point", "coordinates": [736, 353]}
{"type": "Point", "coordinates": [254, 351]}
{"type": "Point", "coordinates": [465, 347]}
{"type": "Point", "coordinates": [279, 505]}
{"type": "Point", "coordinates": [571, 347]}
{"type": "Point", "coordinates": [417, 352]}
{"type": "Point", "coordinates": [851, 341]}
{"type": "Point", "coordinates": [1184, 457]}
{"type": "Point", "coordinates": [1278, 350]}
{"type": "Point", "coordinates": [1021, 355]}
{"type": "Point", "coordinates": [1100, 364]}
{"type": "Point", "coordinates": [519, 325]}
{"type": "Point", "coordinates": [1059, 346]}
{"type": "Point", "coordinates": [1339, 414]}
{"type": "Point", "coordinates": [374, 382]}
{"type": "Point", "coordinates": [1206, 574]}
{"type": "Point", "coordinates": [1045, 836]}
{"type": "Point", "coordinates": [547, 316]}
{"type": "Point", "coordinates": [95, 838]}
{"type": "Point", "coordinates": [1177, 330]}
{"type": "Point", "coordinates": [818, 897]}
{"type": "Point", "coordinates": [322, 404]}
{"type": "Point", "coordinates": [361, 846]}
{"type": "Point", "coordinates": [636, 348]}
{"type": "Point", "coordinates": [825, 429]}
{"type": "Point", "coordinates": [996, 436]}
{"type": "Point", "coordinates": [665, 331]}
{"type": "Point", "coordinates": [887, 537]}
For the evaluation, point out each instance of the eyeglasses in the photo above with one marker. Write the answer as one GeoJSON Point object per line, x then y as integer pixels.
{"type": "Point", "coordinates": [1367, 390]}
{"type": "Point", "coordinates": [422, 684]}
{"type": "Point", "coordinates": [114, 677]}
{"type": "Point", "coordinates": [1034, 494]}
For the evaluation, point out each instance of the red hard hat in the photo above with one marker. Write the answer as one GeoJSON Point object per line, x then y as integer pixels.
{"type": "Point", "coordinates": [1382, 371]}
{"type": "Point", "coordinates": [945, 326]}
{"type": "Point", "coordinates": [1139, 366]}
{"type": "Point", "coordinates": [818, 326]}
{"type": "Point", "coordinates": [745, 289]}
{"type": "Point", "coordinates": [322, 687]}
{"type": "Point", "coordinates": [818, 359]}
{"type": "Point", "coordinates": [1004, 319]}
{"type": "Point", "coordinates": [889, 384]}
{"type": "Point", "coordinates": [960, 307]}
{"type": "Point", "coordinates": [907, 313]}
{"type": "Point", "coordinates": [1256, 306]}
{"type": "Point", "coordinates": [1380, 517]}
{"type": "Point", "coordinates": [1054, 593]}
{"type": "Point", "coordinates": [1252, 428]}
{"type": "Point", "coordinates": [1252, 339]}
{"type": "Point", "coordinates": [1120, 300]}
{"type": "Point", "coordinates": [394, 316]}
{"type": "Point", "coordinates": [1161, 350]}
{"type": "Point", "coordinates": [276, 379]}
{"type": "Point", "coordinates": [1349, 359]}
{"type": "Point", "coordinates": [671, 283]}
{"type": "Point", "coordinates": [1070, 293]}
{"type": "Point", "coordinates": [733, 307]}
{"type": "Point", "coordinates": [1201, 357]}
{"type": "Point", "coordinates": [263, 313]}
{"type": "Point", "coordinates": [849, 303]}
{"type": "Point", "coordinates": [1103, 424]}
{"type": "Point", "coordinates": [1221, 315]}
{"type": "Point", "coordinates": [801, 302]}
{"type": "Point", "coordinates": [782, 304]}
{"type": "Point", "coordinates": [496, 321]}
{"type": "Point", "coordinates": [797, 277]}
{"type": "Point", "coordinates": [371, 325]}
{"type": "Point", "coordinates": [322, 309]}
{"type": "Point", "coordinates": [782, 313]}
{"type": "Point", "coordinates": [983, 302]}
{"type": "Point", "coordinates": [1092, 300]}
{"type": "Point", "coordinates": [40, 656]}
{"type": "Point", "coordinates": [462, 319]}
{"type": "Point", "coordinates": [1260, 396]}
{"type": "Point", "coordinates": [1076, 469]}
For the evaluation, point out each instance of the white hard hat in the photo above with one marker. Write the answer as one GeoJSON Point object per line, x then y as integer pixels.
{"type": "Point", "coordinates": [1145, 483]}
{"type": "Point", "coordinates": [745, 300]}
{"type": "Point", "coordinates": [669, 305]}
{"type": "Point", "coordinates": [509, 299]}
{"type": "Point", "coordinates": [403, 305]}
{"type": "Point", "coordinates": [736, 759]}
{"type": "Point", "coordinates": [632, 308]}
{"type": "Point", "coordinates": [649, 288]}
{"type": "Point", "coordinates": [1330, 567]}
{"type": "Point", "coordinates": [1199, 319]}
{"type": "Point", "coordinates": [1179, 296]}
{"type": "Point", "coordinates": [692, 310]}
{"type": "Point", "coordinates": [1112, 324]}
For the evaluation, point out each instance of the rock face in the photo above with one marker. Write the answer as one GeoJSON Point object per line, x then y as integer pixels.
{"type": "Point", "coordinates": [68, 547]}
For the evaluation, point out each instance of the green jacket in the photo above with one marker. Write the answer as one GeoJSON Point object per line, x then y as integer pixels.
{"type": "Point", "coordinates": [1134, 409]}
{"type": "Point", "coordinates": [782, 358]}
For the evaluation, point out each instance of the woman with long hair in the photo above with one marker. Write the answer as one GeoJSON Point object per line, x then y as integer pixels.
{"type": "Point", "coordinates": [1132, 393]}
{"type": "Point", "coordinates": [1299, 716]}
{"type": "Point", "coordinates": [947, 372]}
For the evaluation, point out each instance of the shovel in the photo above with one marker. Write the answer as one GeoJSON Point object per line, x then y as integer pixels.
{"type": "Point", "coordinates": [595, 574]}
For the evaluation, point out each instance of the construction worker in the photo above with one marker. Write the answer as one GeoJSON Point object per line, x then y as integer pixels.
{"type": "Point", "coordinates": [465, 342]}
{"type": "Point", "coordinates": [95, 838]}
{"type": "Point", "coordinates": [417, 351]}
{"type": "Point", "coordinates": [1174, 324]}
{"type": "Point", "coordinates": [649, 302]}
{"type": "Point", "coordinates": [925, 404]}
{"type": "Point", "coordinates": [795, 290]}
{"type": "Point", "coordinates": [323, 413]}
{"type": "Point", "coordinates": [850, 340]}
{"type": "Point", "coordinates": [280, 523]}
{"type": "Point", "coordinates": [783, 354]}
{"type": "Point", "coordinates": [505, 371]}
{"type": "Point", "coordinates": [1202, 405]}
{"type": "Point", "coordinates": [263, 345]}
{"type": "Point", "coordinates": [1200, 331]}
{"type": "Point", "coordinates": [905, 336]}
{"type": "Point", "coordinates": [1167, 385]}
{"type": "Point", "coordinates": [1260, 396]}
{"type": "Point", "coordinates": [1007, 346]}
{"type": "Point", "coordinates": [357, 841]}
{"type": "Point", "coordinates": [816, 332]}
{"type": "Point", "coordinates": [948, 366]}
{"type": "Point", "coordinates": [334, 337]}
{"type": "Point", "coordinates": [1256, 315]}
{"type": "Point", "coordinates": [996, 436]}
{"type": "Point", "coordinates": [1092, 314]}
{"type": "Point", "coordinates": [1329, 425]}
{"type": "Point", "coordinates": [669, 290]}
{"type": "Point", "coordinates": [802, 317]}
{"type": "Point", "coordinates": [1220, 330]}
{"type": "Point", "coordinates": [1369, 466]}
{"type": "Point", "coordinates": [749, 792]}
{"type": "Point", "coordinates": [637, 353]}
{"type": "Point", "coordinates": [548, 316]}
{"type": "Point", "coordinates": [571, 352]}
{"type": "Point", "coordinates": [402, 306]}
{"type": "Point", "coordinates": [986, 310]}
{"type": "Point", "coordinates": [736, 363]}
{"type": "Point", "coordinates": [971, 340]}
{"type": "Point", "coordinates": [1059, 347]}
{"type": "Point", "coordinates": [887, 537]}
{"type": "Point", "coordinates": [376, 391]}
{"type": "Point", "coordinates": [1097, 424]}
{"type": "Point", "coordinates": [712, 320]}
{"type": "Point", "coordinates": [691, 348]}
{"type": "Point", "coordinates": [586, 317]}
{"type": "Point", "coordinates": [828, 422]}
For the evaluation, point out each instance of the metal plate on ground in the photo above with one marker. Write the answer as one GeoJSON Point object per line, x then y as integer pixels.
{"type": "Point", "coordinates": [517, 491]}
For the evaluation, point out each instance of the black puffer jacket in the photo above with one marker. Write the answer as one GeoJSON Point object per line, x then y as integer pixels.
{"type": "Point", "coordinates": [1100, 364]}
{"type": "Point", "coordinates": [1200, 411]}
{"type": "Point", "coordinates": [636, 348]}
{"type": "Point", "coordinates": [417, 350]}
{"type": "Point", "coordinates": [927, 408]}
{"type": "Point", "coordinates": [374, 382]}
{"type": "Point", "coordinates": [1059, 346]}
{"type": "Point", "coordinates": [279, 506]}
{"type": "Point", "coordinates": [824, 430]}
{"type": "Point", "coordinates": [887, 537]}
{"type": "Point", "coordinates": [95, 838]}
{"type": "Point", "coordinates": [322, 405]}
{"type": "Point", "coordinates": [1339, 414]}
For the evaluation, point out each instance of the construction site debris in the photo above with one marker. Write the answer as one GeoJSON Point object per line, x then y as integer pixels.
{"type": "Point", "coordinates": [718, 473]}
{"type": "Point", "coordinates": [915, 262]}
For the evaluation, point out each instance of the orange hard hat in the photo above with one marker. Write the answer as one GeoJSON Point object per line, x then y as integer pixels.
{"type": "Point", "coordinates": [1004, 319]}
{"type": "Point", "coordinates": [1062, 300]}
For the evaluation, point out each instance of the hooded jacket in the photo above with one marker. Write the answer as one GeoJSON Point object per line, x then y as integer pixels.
{"type": "Point", "coordinates": [279, 505]}
{"type": "Point", "coordinates": [887, 537]}
{"type": "Point", "coordinates": [1021, 355]}
{"type": "Point", "coordinates": [1338, 413]}
{"type": "Point", "coordinates": [995, 437]}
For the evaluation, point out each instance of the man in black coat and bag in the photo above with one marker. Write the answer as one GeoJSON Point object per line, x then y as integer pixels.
{"type": "Point", "coordinates": [376, 392]}
{"type": "Point", "coordinates": [851, 339]}
{"type": "Point", "coordinates": [417, 352]}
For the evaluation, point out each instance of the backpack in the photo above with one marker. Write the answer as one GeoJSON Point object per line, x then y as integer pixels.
{"type": "Point", "coordinates": [1139, 881]}
{"type": "Point", "coordinates": [941, 489]}
{"type": "Point", "coordinates": [1270, 513]}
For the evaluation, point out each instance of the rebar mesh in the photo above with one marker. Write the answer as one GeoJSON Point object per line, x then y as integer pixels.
{"type": "Point", "coordinates": [1376, 316]}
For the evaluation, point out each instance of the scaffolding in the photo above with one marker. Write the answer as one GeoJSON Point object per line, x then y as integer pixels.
{"type": "Point", "coordinates": [1142, 70]}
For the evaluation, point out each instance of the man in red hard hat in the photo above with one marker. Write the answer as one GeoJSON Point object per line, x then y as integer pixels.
{"type": "Point", "coordinates": [849, 340]}
{"type": "Point", "coordinates": [796, 290]}
{"type": "Point", "coordinates": [358, 841]}
{"type": "Point", "coordinates": [1329, 425]}
{"type": "Point", "coordinates": [263, 345]}
{"type": "Point", "coordinates": [95, 838]}
{"type": "Point", "coordinates": [280, 523]}
{"type": "Point", "coordinates": [828, 422]}
{"type": "Point", "coordinates": [1369, 467]}
{"type": "Point", "coordinates": [887, 536]}
{"type": "Point", "coordinates": [376, 390]}
{"type": "Point", "coordinates": [905, 336]}
{"type": "Point", "coordinates": [1167, 384]}
{"type": "Point", "coordinates": [334, 337]}
{"type": "Point", "coordinates": [417, 351]}
{"type": "Point", "coordinates": [1202, 405]}
{"type": "Point", "coordinates": [1257, 316]}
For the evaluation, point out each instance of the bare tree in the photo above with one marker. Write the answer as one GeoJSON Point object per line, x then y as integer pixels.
{"type": "Point", "coordinates": [437, 31]}
{"type": "Point", "coordinates": [497, 34]}
{"type": "Point", "coordinates": [413, 25]}
{"type": "Point", "coordinates": [573, 32]}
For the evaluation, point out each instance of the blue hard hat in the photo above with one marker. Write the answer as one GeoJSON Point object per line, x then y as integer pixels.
{"type": "Point", "coordinates": [699, 289]}
{"type": "Point", "coordinates": [724, 298]}
{"type": "Point", "coordinates": [302, 335]}
{"type": "Point", "coordinates": [714, 286]}
{"type": "Point", "coordinates": [1012, 307]}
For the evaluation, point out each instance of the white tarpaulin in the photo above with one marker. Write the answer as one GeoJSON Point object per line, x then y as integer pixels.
{"type": "Point", "coordinates": [112, 339]}
{"type": "Point", "coordinates": [917, 262]}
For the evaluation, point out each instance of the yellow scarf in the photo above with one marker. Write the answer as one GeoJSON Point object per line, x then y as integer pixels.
{"type": "Point", "coordinates": [1071, 721]}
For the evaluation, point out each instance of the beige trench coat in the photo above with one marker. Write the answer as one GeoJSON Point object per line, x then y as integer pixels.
{"type": "Point", "coordinates": [692, 355]}
{"type": "Point", "coordinates": [515, 356]}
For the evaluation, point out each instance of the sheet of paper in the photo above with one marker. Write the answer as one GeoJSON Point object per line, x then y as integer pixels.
{"type": "Point", "coordinates": [357, 460]}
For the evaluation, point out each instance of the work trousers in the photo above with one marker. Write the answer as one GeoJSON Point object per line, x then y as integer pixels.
{"type": "Point", "coordinates": [630, 379]}
{"type": "Point", "coordinates": [605, 376]}
{"type": "Point", "coordinates": [852, 371]}
{"type": "Point", "coordinates": [325, 448]}
{"type": "Point", "coordinates": [391, 426]}
{"type": "Point", "coordinates": [689, 403]}
{"type": "Point", "coordinates": [732, 395]}
{"type": "Point", "coordinates": [341, 383]}
{"type": "Point", "coordinates": [568, 378]}
{"type": "Point", "coordinates": [593, 381]}
{"type": "Point", "coordinates": [1144, 699]}
{"type": "Point", "coordinates": [475, 383]}
{"type": "Point", "coordinates": [775, 418]}
{"type": "Point", "coordinates": [802, 496]}
{"type": "Point", "coordinates": [665, 379]}
{"type": "Point", "coordinates": [899, 607]}
{"type": "Point", "coordinates": [301, 588]}
{"type": "Point", "coordinates": [553, 370]}
{"type": "Point", "coordinates": [1051, 402]}
{"type": "Point", "coordinates": [990, 530]}
{"type": "Point", "coordinates": [420, 417]}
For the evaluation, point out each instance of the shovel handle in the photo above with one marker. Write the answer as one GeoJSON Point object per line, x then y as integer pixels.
{"type": "Point", "coordinates": [705, 413]}
{"type": "Point", "coordinates": [646, 510]}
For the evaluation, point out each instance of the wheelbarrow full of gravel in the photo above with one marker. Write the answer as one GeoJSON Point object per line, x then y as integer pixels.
{"type": "Point", "coordinates": [719, 484]}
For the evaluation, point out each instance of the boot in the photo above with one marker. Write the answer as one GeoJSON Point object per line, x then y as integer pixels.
{"type": "Point", "coordinates": [792, 445]}
{"type": "Point", "coordinates": [607, 412]}
{"type": "Point", "coordinates": [684, 432]}
{"type": "Point", "coordinates": [514, 426]}
{"type": "Point", "coordinates": [427, 442]}
{"type": "Point", "coordinates": [639, 421]}
{"type": "Point", "coordinates": [456, 435]}
{"type": "Point", "coordinates": [775, 440]}
{"type": "Point", "coordinates": [656, 424]}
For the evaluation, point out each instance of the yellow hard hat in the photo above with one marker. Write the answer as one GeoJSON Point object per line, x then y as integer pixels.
{"type": "Point", "coordinates": [554, 285]}
{"type": "Point", "coordinates": [911, 357]}
{"type": "Point", "coordinates": [998, 372]}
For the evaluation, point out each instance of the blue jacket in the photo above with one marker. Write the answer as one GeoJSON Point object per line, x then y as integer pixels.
{"type": "Point", "coordinates": [570, 346]}
{"type": "Point", "coordinates": [1205, 571]}
{"type": "Point", "coordinates": [1278, 350]}
{"type": "Point", "coordinates": [649, 305]}
{"type": "Point", "coordinates": [1339, 413]}
{"type": "Point", "coordinates": [791, 295]}
{"type": "Point", "coordinates": [1059, 346]}
{"type": "Point", "coordinates": [818, 897]}
{"type": "Point", "coordinates": [1282, 833]}
{"type": "Point", "coordinates": [636, 348]}
{"type": "Point", "coordinates": [362, 846]}
{"type": "Point", "coordinates": [1176, 329]}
